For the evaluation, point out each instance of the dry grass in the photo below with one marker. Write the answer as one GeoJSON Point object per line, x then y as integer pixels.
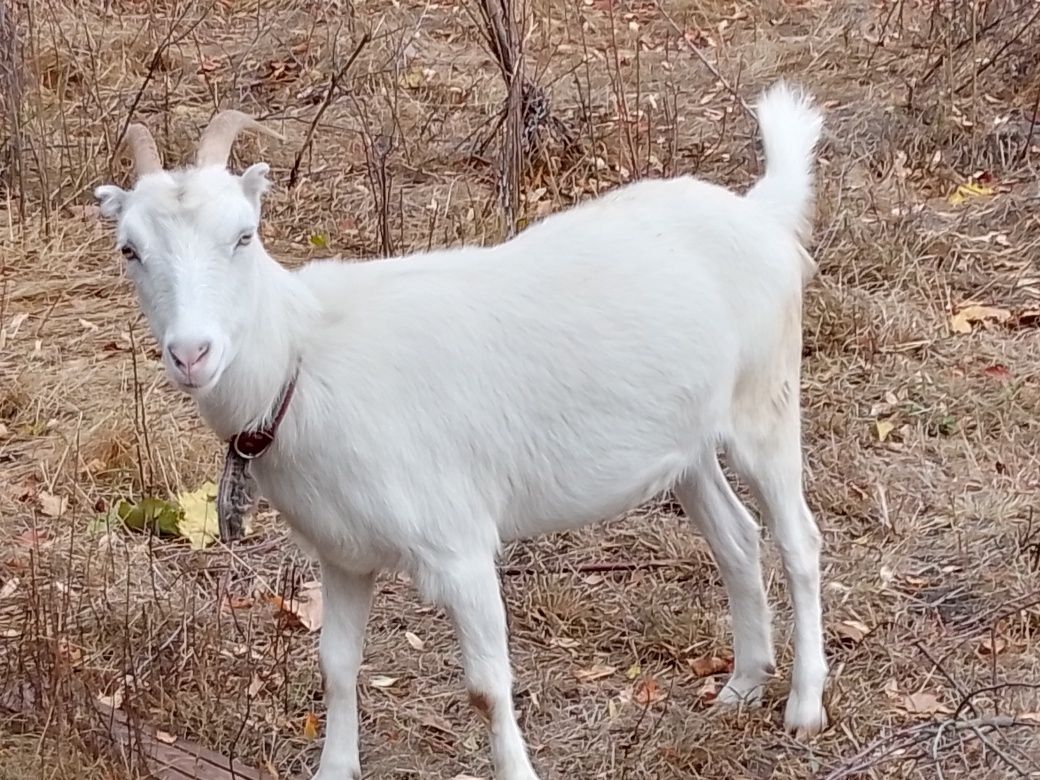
{"type": "Point", "coordinates": [932, 535]}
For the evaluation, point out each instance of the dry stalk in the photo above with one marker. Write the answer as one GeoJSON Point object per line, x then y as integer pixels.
{"type": "Point", "coordinates": [10, 106]}
{"type": "Point", "coordinates": [527, 115]}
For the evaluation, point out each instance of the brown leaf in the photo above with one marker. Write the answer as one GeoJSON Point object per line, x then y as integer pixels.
{"type": "Point", "coordinates": [52, 505]}
{"type": "Point", "coordinates": [310, 726]}
{"type": "Point", "coordinates": [436, 722]}
{"type": "Point", "coordinates": [594, 672]}
{"type": "Point", "coordinates": [853, 630]}
{"type": "Point", "coordinates": [922, 703]}
{"type": "Point", "coordinates": [998, 371]}
{"type": "Point", "coordinates": [962, 321]}
{"type": "Point", "coordinates": [707, 665]}
{"type": "Point", "coordinates": [9, 588]}
{"type": "Point", "coordinates": [255, 686]}
{"type": "Point", "coordinates": [235, 601]}
{"type": "Point", "coordinates": [32, 537]}
{"type": "Point", "coordinates": [647, 692]}
{"type": "Point", "coordinates": [68, 653]}
{"type": "Point", "coordinates": [992, 646]}
{"type": "Point", "coordinates": [708, 692]}
{"type": "Point", "coordinates": [305, 609]}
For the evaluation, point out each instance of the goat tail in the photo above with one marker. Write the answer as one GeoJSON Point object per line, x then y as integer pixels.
{"type": "Point", "coordinates": [790, 126]}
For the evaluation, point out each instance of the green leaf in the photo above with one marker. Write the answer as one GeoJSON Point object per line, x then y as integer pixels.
{"type": "Point", "coordinates": [319, 240]}
{"type": "Point", "coordinates": [147, 514]}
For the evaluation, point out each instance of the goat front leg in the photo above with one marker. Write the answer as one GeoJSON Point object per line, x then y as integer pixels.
{"type": "Point", "coordinates": [347, 600]}
{"type": "Point", "coordinates": [468, 590]}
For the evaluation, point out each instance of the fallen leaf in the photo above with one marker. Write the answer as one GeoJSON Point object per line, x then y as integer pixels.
{"type": "Point", "coordinates": [417, 77]}
{"type": "Point", "coordinates": [9, 588]}
{"type": "Point", "coordinates": [414, 641]}
{"type": "Point", "coordinates": [382, 681]}
{"type": "Point", "coordinates": [238, 602]}
{"type": "Point", "coordinates": [565, 642]}
{"type": "Point", "coordinates": [436, 722]}
{"type": "Point", "coordinates": [707, 665]}
{"type": "Point", "coordinates": [998, 371]}
{"type": "Point", "coordinates": [966, 191]}
{"type": "Point", "coordinates": [147, 514]}
{"type": "Point", "coordinates": [255, 686]}
{"type": "Point", "coordinates": [647, 692]}
{"type": "Point", "coordinates": [633, 671]}
{"type": "Point", "coordinates": [115, 701]}
{"type": "Point", "coordinates": [32, 537]}
{"type": "Point", "coordinates": [853, 630]}
{"type": "Point", "coordinates": [310, 726]}
{"type": "Point", "coordinates": [595, 672]}
{"type": "Point", "coordinates": [961, 322]}
{"type": "Point", "coordinates": [52, 505]}
{"type": "Point", "coordinates": [922, 703]}
{"type": "Point", "coordinates": [892, 689]}
{"type": "Point", "coordinates": [708, 692]}
{"type": "Point", "coordinates": [198, 521]}
{"type": "Point", "coordinates": [992, 646]}
{"type": "Point", "coordinates": [306, 609]}
{"type": "Point", "coordinates": [165, 737]}
{"type": "Point", "coordinates": [884, 428]}
{"type": "Point", "coordinates": [68, 653]}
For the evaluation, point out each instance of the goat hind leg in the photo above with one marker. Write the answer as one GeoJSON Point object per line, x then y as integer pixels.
{"type": "Point", "coordinates": [770, 459]}
{"type": "Point", "coordinates": [733, 536]}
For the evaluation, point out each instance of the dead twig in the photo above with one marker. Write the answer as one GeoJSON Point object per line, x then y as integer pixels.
{"type": "Point", "coordinates": [330, 93]}
{"type": "Point", "coordinates": [707, 63]}
{"type": "Point", "coordinates": [597, 567]}
{"type": "Point", "coordinates": [902, 740]}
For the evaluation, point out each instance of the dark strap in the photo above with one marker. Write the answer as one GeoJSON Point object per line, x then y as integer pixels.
{"type": "Point", "coordinates": [250, 445]}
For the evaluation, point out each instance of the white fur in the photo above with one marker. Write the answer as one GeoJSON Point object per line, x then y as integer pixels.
{"type": "Point", "coordinates": [450, 401]}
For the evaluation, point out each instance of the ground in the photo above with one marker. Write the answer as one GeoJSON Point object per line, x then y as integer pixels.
{"type": "Point", "coordinates": [920, 423]}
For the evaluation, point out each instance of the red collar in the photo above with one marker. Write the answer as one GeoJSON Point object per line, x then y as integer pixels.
{"type": "Point", "coordinates": [250, 445]}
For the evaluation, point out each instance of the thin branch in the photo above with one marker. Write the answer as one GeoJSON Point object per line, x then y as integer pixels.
{"type": "Point", "coordinates": [597, 567]}
{"type": "Point", "coordinates": [326, 101]}
{"type": "Point", "coordinates": [153, 67]}
{"type": "Point", "coordinates": [707, 63]}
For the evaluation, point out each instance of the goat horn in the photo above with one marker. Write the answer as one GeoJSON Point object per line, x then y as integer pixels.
{"type": "Point", "coordinates": [143, 150]}
{"type": "Point", "coordinates": [220, 134]}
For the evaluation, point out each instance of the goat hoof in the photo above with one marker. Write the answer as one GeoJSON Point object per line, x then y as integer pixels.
{"type": "Point", "coordinates": [741, 691]}
{"type": "Point", "coordinates": [804, 718]}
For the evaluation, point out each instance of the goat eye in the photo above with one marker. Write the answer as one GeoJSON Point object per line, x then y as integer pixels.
{"type": "Point", "coordinates": [244, 239]}
{"type": "Point", "coordinates": [128, 252]}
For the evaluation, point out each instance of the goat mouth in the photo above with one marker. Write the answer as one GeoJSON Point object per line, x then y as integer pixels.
{"type": "Point", "coordinates": [194, 387]}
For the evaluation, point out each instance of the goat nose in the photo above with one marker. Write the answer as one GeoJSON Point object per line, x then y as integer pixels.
{"type": "Point", "coordinates": [187, 355]}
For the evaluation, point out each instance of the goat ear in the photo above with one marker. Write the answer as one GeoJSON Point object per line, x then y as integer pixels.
{"type": "Point", "coordinates": [254, 182]}
{"type": "Point", "coordinates": [111, 199]}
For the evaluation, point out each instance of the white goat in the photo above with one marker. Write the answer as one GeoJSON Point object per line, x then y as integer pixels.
{"type": "Point", "coordinates": [448, 402]}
